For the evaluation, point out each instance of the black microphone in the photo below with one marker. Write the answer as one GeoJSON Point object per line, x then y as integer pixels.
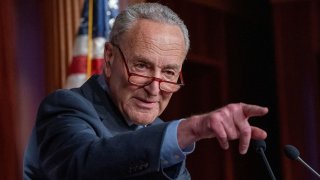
{"type": "Point", "coordinates": [293, 154]}
{"type": "Point", "coordinates": [260, 146]}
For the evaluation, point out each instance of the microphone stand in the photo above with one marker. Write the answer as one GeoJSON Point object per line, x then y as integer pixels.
{"type": "Point", "coordinates": [307, 166]}
{"type": "Point", "coordinates": [260, 151]}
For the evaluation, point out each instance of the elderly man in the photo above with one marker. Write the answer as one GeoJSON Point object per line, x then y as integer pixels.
{"type": "Point", "coordinates": [109, 127]}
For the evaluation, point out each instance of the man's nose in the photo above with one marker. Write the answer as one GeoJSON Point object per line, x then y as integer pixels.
{"type": "Point", "coordinates": [153, 88]}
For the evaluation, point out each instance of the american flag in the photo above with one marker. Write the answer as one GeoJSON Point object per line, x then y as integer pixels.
{"type": "Point", "coordinates": [104, 13]}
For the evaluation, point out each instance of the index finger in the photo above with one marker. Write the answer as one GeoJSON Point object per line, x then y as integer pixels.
{"type": "Point", "coordinates": [250, 110]}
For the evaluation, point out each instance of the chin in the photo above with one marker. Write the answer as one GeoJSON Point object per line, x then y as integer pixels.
{"type": "Point", "coordinates": [142, 118]}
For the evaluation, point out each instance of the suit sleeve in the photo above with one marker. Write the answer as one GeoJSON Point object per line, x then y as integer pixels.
{"type": "Point", "coordinates": [73, 143]}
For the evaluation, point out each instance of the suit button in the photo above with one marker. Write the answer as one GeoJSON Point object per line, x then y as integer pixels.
{"type": "Point", "coordinates": [176, 156]}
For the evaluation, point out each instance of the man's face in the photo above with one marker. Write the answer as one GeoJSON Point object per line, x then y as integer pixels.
{"type": "Point", "coordinates": [151, 49]}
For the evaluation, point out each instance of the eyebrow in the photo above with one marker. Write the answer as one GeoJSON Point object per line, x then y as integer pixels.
{"type": "Point", "coordinates": [147, 61]}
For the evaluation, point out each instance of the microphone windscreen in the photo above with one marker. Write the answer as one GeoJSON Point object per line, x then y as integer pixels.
{"type": "Point", "coordinates": [291, 152]}
{"type": "Point", "coordinates": [259, 144]}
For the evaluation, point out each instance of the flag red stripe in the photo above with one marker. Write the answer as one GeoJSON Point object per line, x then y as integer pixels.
{"type": "Point", "coordinates": [96, 66]}
{"type": "Point", "coordinates": [78, 65]}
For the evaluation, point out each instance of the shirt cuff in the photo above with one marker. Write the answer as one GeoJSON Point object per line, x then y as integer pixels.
{"type": "Point", "coordinates": [171, 153]}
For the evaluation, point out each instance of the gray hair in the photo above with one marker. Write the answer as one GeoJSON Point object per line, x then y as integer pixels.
{"type": "Point", "coordinates": [151, 11]}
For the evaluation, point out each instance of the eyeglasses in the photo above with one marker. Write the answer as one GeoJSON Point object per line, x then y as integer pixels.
{"type": "Point", "coordinates": [142, 80]}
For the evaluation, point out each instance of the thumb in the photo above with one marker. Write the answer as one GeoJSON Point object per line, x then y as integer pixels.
{"type": "Point", "coordinates": [257, 133]}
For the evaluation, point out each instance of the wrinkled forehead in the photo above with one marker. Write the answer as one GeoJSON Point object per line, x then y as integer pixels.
{"type": "Point", "coordinates": [155, 39]}
{"type": "Point", "coordinates": [152, 33]}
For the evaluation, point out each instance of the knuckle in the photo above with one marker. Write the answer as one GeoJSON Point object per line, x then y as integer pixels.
{"type": "Point", "coordinates": [222, 136]}
{"type": "Point", "coordinates": [233, 136]}
{"type": "Point", "coordinates": [225, 113]}
{"type": "Point", "coordinates": [216, 116]}
{"type": "Point", "coordinates": [244, 146]}
{"type": "Point", "coordinates": [233, 107]}
{"type": "Point", "coordinates": [246, 131]}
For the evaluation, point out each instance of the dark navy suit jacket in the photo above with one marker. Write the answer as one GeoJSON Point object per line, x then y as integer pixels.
{"type": "Point", "coordinates": [80, 134]}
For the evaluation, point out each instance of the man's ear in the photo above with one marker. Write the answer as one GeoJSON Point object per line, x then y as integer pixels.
{"type": "Point", "coordinates": [108, 58]}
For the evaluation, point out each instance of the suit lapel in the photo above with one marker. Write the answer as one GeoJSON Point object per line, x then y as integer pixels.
{"type": "Point", "coordinates": [108, 113]}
